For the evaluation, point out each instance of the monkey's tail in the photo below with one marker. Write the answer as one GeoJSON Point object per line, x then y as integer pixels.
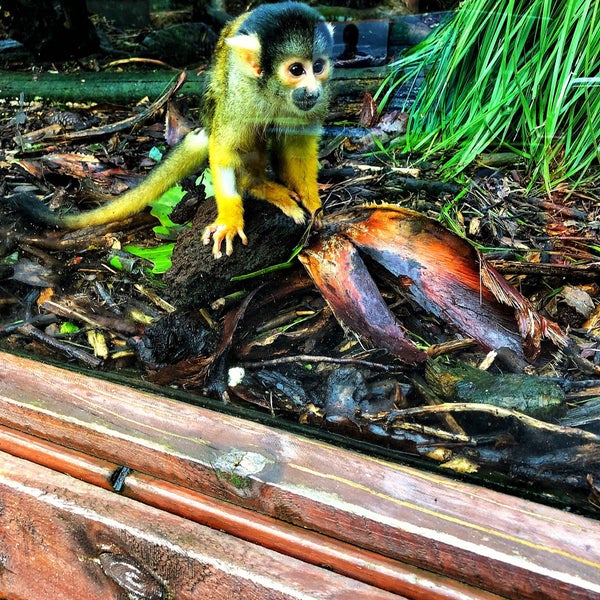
{"type": "Point", "coordinates": [184, 160]}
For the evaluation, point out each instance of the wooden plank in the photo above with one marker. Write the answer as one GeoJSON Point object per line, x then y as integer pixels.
{"type": "Point", "coordinates": [61, 538]}
{"type": "Point", "coordinates": [306, 545]}
{"type": "Point", "coordinates": [492, 541]}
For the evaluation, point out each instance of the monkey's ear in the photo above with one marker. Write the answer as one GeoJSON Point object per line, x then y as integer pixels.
{"type": "Point", "coordinates": [246, 48]}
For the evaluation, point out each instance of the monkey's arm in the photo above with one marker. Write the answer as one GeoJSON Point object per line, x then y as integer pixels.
{"type": "Point", "coordinates": [296, 163]}
{"type": "Point", "coordinates": [225, 164]}
{"type": "Point", "coordinates": [185, 159]}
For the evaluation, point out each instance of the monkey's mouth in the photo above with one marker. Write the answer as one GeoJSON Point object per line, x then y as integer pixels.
{"type": "Point", "coordinates": [305, 100]}
{"type": "Point", "coordinates": [305, 106]}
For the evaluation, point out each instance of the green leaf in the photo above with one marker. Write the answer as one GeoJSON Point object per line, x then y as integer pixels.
{"type": "Point", "coordinates": [205, 179]}
{"type": "Point", "coordinates": [159, 256]}
{"type": "Point", "coordinates": [68, 328]}
{"type": "Point", "coordinates": [162, 208]}
{"type": "Point", "coordinates": [121, 261]}
{"type": "Point", "coordinates": [155, 154]}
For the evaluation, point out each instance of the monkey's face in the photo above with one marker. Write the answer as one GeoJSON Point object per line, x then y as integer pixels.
{"type": "Point", "coordinates": [304, 81]}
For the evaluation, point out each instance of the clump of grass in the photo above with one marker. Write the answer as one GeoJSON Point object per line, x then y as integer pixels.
{"type": "Point", "coordinates": [521, 75]}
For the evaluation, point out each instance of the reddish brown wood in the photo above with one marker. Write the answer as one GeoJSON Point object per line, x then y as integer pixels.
{"type": "Point", "coordinates": [65, 539]}
{"type": "Point", "coordinates": [309, 546]}
{"type": "Point", "coordinates": [492, 541]}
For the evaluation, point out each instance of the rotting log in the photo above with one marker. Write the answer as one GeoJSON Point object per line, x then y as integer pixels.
{"type": "Point", "coordinates": [349, 85]}
{"type": "Point", "coordinates": [423, 535]}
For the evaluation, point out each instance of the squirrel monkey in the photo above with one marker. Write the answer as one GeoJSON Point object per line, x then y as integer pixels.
{"type": "Point", "coordinates": [266, 95]}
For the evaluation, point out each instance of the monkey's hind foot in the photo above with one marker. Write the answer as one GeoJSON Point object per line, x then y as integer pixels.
{"type": "Point", "coordinates": [312, 203]}
{"type": "Point", "coordinates": [222, 231]}
{"type": "Point", "coordinates": [283, 198]}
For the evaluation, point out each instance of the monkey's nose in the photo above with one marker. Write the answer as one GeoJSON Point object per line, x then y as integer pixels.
{"type": "Point", "coordinates": [305, 99]}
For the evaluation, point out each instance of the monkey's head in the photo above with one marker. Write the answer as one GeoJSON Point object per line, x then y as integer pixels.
{"type": "Point", "coordinates": [286, 48]}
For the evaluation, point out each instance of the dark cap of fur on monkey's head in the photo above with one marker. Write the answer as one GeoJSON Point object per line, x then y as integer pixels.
{"type": "Point", "coordinates": [288, 29]}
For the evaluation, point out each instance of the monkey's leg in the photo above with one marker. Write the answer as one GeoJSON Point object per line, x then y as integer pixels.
{"type": "Point", "coordinates": [230, 212]}
{"type": "Point", "coordinates": [296, 163]}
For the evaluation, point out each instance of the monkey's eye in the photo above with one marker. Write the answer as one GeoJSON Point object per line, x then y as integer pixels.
{"type": "Point", "coordinates": [318, 66]}
{"type": "Point", "coordinates": [296, 69]}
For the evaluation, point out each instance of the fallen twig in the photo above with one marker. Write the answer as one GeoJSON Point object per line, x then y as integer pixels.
{"type": "Point", "coordinates": [544, 269]}
{"type": "Point", "coordinates": [89, 359]}
{"type": "Point", "coordinates": [402, 414]}
{"type": "Point", "coordinates": [111, 128]}
{"type": "Point", "coordinates": [283, 360]}
{"type": "Point", "coordinates": [116, 325]}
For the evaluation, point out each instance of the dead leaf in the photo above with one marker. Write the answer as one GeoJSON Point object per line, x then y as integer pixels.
{"type": "Point", "coordinates": [437, 268]}
{"type": "Point", "coordinates": [368, 112]}
{"type": "Point", "coordinates": [442, 272]}
{"type": "Point", "coordinates": [342, 277]}
{"type": "Point", "coordinates": [574, 300]}
{"type": "Point", "coordinates": [461, 465]}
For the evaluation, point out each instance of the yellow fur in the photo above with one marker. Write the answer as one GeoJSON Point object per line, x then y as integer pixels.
{"type": "Point", "coordinates": [249, 111]}
{"type": "Point", "coordinates": [186, 158]}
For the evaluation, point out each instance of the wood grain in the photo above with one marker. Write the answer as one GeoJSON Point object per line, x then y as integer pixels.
{"type": "Point", "coordinates": [306, 545]}
{"type": "Point", "coordinates": [61, 538]}
{"type": "Point", "coordinates": [491, 541]}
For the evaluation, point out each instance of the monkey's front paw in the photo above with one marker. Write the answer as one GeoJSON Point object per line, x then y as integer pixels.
{"type": "Point", "coordinates": [221, 231]}
{"type": "Point", "coordinates": [285, 199]}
